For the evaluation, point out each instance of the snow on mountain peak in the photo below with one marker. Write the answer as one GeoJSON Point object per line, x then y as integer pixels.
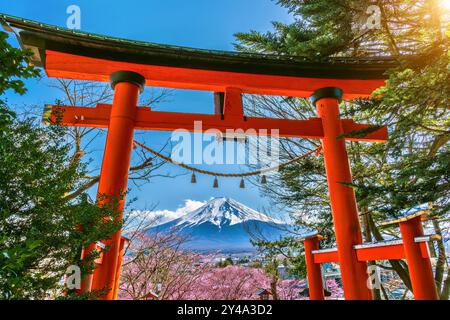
{"type": "Point", "coordinates": [223, 224]}
{"type": "Point", "coordinates": [223, 211]}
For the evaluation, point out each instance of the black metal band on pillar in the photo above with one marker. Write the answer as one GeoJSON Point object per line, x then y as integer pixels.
{"type": "Point", "coordinates": [127, 76]}
{"type": "Point", "coordinates": [327, 92]}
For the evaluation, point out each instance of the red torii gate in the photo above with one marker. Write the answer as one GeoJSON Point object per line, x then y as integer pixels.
{"type": "Point", "coordinates": [413, 247]}
{"type": "Point", "coordinates": [132, 65]}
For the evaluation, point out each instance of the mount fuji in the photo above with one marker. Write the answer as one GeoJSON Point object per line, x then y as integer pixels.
{"type": "Point", "coordinates": [224, 225]}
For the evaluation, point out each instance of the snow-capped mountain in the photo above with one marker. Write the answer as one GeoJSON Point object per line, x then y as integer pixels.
{"type": "Point", "coordinates": [223, 212]}
{"type": "Point", "coordinates": [224, 224]}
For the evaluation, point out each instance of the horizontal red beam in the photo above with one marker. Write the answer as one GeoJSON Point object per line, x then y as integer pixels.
{"type": "Point", "coordinates": [326, 257]}
{"type": "Point", "coordinates": [382, 252]}
{"type": "Point", "coordinates": [63, 65]}
{"type": "Point", "coordinates": [355, 132]}
{"type": "Point", "coordinates": [394, 252]}
{"type": "Point", "coordinates": [169, 121]}
{"type": "Point", "coordinates": [390, 252]}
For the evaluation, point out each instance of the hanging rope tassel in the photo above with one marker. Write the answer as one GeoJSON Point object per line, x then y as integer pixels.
{"type": "Point", "coordinates": [263, 179]}
{"type": "Point", "coordinates": [193, 178]}
{"type": "Point", "coordinates": [216, 183]}
{"type": "Point", "coordinates": [242, 185]}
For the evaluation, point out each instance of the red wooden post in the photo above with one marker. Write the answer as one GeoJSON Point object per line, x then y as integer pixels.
{"type": "Point", "coordinates": [420, 271]}
{"type": "Point", "coordinates": [342, 197]}
{"type": "Point", "coordinates": [86, 282]}
{"type": "Point", "coordinates": [314, 274]}
{"type": "Point", "coordinates": [115, 167]}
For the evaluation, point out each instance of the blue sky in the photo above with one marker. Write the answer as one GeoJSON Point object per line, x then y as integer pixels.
{"type": "Point", "coordinates": [208, 24]}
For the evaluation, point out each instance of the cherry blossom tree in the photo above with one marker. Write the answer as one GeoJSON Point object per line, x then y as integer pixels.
{"type": "Point", "coordinates": [230, 283]}
{"type": "Point", "coordinates": [335, 289]}
{"type": "Point", "coordinates": [160, 265]}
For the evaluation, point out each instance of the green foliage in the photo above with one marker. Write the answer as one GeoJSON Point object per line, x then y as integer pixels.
{"type": "Point", "coordinates": [13, 67]}
{"type": "Point", "coordinates": [322, 28]}
{"type": "Point", "coordinates": [40, 229]}
{"type": "Point", "coordinates": [41, 232]}
{"type": "Point", "coordinates": [412, 168]}
{"type": "Point", "coordinates": [225, 263]}
{"type": "Point", "coordinates": [288, 250]}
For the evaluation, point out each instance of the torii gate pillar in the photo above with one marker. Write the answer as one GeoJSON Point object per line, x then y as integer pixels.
{"type": "Point", "coordinates": [419, 266]}
{"type": "Point", "coordinates": [116, 164]}
{"type": "Point", "coordinates": [342, 197]}
{"type": "Point", "coordinates": [313, 270]}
